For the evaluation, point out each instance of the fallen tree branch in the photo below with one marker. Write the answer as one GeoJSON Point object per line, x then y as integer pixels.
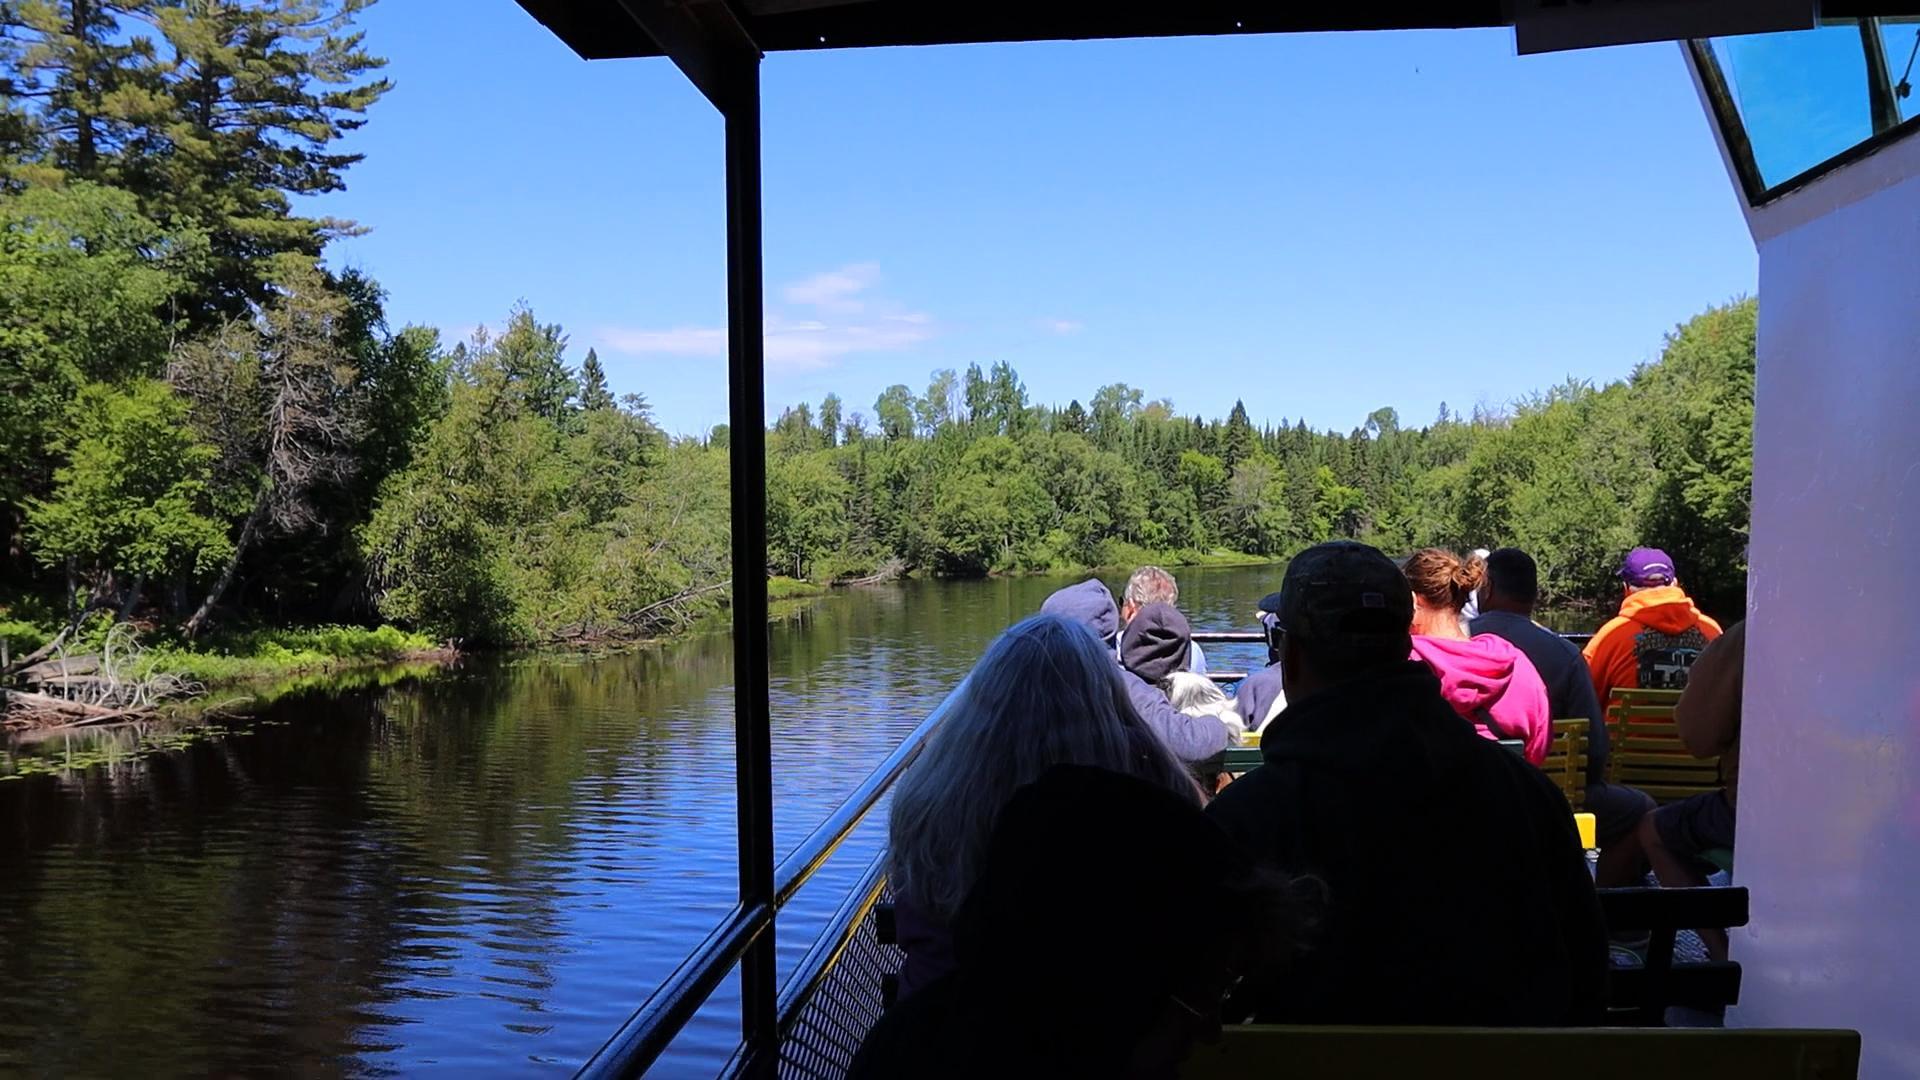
{"type": "Point", "coordinates": [25, 701]}
{"type": "Point", "coordinates": [640, 617]}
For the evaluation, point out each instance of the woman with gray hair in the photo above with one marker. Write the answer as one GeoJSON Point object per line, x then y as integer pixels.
{"type": "Point", "coordinates": [1046, 693]}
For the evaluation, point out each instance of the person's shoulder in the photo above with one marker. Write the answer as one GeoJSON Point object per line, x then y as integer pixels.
{"type": "Point", "coordinates": [1606, 631]}
{"type": "Point", "coordinates": [1562, 643]}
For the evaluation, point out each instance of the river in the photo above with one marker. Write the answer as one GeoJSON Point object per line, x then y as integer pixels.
{"type": "Point", "coordinates": [479, 871]}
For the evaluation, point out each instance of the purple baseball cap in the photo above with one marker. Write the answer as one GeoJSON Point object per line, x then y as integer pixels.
{"type": "Point", "coordinates": [1647, 566]}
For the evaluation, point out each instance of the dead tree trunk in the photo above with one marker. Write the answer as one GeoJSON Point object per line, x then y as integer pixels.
{"type": "Point", "coordinates": [247, 533]}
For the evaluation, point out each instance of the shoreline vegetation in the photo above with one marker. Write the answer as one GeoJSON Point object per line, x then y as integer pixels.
{"type": "Point", "coordinates": [183, 677]}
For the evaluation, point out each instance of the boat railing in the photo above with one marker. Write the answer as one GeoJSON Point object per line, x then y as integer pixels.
{"type": "Point", "coordinates": [651, 1029]}
{"type": "Point", "coordinates": [1258, 637]}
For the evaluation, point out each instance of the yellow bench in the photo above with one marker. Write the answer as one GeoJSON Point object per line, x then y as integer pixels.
{"type": "Point", "coordinates": [1566, 760]}
{"type": "Point", "coordinates": [1646, 750]}
{"type": "Point", "coordinates": [1324, 1053]}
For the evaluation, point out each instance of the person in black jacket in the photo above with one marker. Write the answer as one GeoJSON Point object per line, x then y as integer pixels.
{"type": "Point", "coordinates": [1108, 921]}
{"type": "Point", "coordinates": [1456, 889]}
{"type": "Point", "coordinates": [1507, 599]}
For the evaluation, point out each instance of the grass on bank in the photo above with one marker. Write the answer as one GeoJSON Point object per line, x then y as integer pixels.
{"type": "Point", "coordinates": [266, 653]}
{"type": "Point", "coordinates": [230, 655]}
{"type": "Point", "coordinates": [786, 588]}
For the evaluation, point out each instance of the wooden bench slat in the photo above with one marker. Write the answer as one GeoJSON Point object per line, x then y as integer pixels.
{"type": "Point", "coordinates": [1640, 908]}
{"type": "Point", "coordinates": [1706, 985]}
{"type": "Point", "coordinates": [1322, 1053]}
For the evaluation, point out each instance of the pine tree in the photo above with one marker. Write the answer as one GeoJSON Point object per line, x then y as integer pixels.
{"type": "Point", "coordinates": [594, 394]}
{"type": "Point", "coordinates": [80, 91]}
{"type": "Point", "coordinates": [1240, 438]}
{"type": "Point", "coordinates": [830, 408]}
{"type": "Point", "coordinates": [260, 90]}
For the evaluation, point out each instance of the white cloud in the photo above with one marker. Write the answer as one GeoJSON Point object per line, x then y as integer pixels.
{"type": "Point", "coordinates": [1062, 326]}
{"type": "Point", "coordinates": [679, 341]}
{"type": "Point", "coordinates": [840, 326]}
{"type": "Point", "coordinates": [835, 290]}
{"type": "Point", "coordinates": [812, 345]}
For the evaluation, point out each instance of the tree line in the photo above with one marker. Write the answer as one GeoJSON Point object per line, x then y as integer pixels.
{"type": "Point", "coordinates": [969, 477]}
{"type": "Point", "coordinates": [204, 425]}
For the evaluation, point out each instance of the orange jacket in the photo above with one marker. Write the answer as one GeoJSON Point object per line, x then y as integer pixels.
{"type": "Point", "coordinates": [1651, 643]}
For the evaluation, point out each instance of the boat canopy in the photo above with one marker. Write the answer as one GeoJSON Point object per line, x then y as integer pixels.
{"type": "Point", "coordinates": [611, 29]}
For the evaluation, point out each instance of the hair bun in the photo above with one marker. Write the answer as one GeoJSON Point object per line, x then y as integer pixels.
{"type": "Point", "coordinates": [1467, 576]}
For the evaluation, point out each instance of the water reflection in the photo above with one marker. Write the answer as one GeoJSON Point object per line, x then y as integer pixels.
{"type": "Point", "coordinates": [481, 871]}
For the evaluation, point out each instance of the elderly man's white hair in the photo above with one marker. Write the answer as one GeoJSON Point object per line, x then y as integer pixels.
{"type": "Point", "coordinates": [1151, 585]}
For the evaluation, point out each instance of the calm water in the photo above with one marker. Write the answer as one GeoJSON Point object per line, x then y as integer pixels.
{"type": "Point", "coordinates": [476, 872]}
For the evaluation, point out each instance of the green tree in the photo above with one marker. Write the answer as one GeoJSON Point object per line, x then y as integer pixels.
{"type": "Point", "coordinates": [830, 408]}
{"type": "Point", "coordinates": [936, 409]}
{"type": "Point", "coordinates": [806, 512]}
{"type": "Point", "coordinates": [1336, 506]}
{"type": "Point", "coordinates": [213, 113]}
{"type": "Point", "coordinates": [1006, 400]}
{"type": "Point", "coordinates": [84, 91]}
{"type": "Point", "coordinates": [260, 93]}
{"type": "Point", "coordinates": [1240, 436]}
{"type": "Point", "coordinates": [85, 286]}
{"type": "Point", "coordinates": [1256, 514]}
{"type": "Point", "coordinates": [894, 409]}
{"type": "Point", "coordinates": [134, 499]}
{"type": "Point", "coordinates": [594, 395]}
{"type": "Point", "coordinates": [979, 396]}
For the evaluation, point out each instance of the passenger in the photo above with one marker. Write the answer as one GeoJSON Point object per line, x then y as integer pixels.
{"type": "Point", "coordinates": [1457, 891]}
{"type": "Point", "coordinates": [1261, 695]}
{"type": "Point", "coordinates": [1152, 585]}
{"type": "Point", "coordinates": [1507, 598]}
{"type": "Point", "coordinates": [1485, 679]}
{"type": "Point", "coordinates": [1658, 634]}
{"type": "Point", "coordinates": [1477, 562]}
{"type": "Point", "coordinates": [1046, 693]}
{"type": "Point", "coordinates": [1106, 925]}
{"type": "Point", "coordinates": [1154, 646]}
{"type": "Point", "coordinates": [1191, 738]}
{"type": "Point", "coordinates": [1708, 715]}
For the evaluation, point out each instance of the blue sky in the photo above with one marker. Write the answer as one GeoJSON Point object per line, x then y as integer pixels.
{"type": "Point", "coordinates": [1320, 225]}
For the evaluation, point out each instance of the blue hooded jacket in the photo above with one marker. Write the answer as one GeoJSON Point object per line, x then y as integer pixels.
{"type": "Point", "coordinates": [1257, 695]}
{"type": "Point", "coordinates": [1191, 738]}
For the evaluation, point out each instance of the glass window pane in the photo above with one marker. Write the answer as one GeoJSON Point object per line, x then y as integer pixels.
{"type": "Point", "coordinates": [1802, 95]}
{"type": "Point", "coordinates": [1900, 36]}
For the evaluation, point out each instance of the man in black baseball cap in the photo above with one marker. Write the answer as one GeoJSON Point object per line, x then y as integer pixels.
{"type": "Point", "coordinates": [1457, 891]}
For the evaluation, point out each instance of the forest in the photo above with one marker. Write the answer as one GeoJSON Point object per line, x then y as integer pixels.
{"type": "Point", "coordinates": [208, 431]}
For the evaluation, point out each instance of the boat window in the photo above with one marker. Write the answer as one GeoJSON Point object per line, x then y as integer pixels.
{"type": "Point", "coordinates": [1797, 104]}
{"type": "Point", "coordinates": [1900, 38]}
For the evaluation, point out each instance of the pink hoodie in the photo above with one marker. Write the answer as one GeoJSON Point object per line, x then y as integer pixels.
{"type": "Point", "coordinates": [1487, 677]}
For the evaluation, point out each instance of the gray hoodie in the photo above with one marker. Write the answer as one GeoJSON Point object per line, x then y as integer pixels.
{"type": "Point", "coordinates": [1191, 738]}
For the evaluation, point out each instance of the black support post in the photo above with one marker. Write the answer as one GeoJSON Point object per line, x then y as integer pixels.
{"type": "Point", "coordinates": [1885, 107]}
{"type": "Point", "coordinates": [746, 414]}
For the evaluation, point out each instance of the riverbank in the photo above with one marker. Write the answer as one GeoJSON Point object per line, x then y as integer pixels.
{"type": "Point", "coordinates": [256, 655]}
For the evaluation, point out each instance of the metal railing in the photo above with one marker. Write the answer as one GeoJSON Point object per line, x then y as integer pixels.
{"type": "Point", "coordinates": [651, 1029]}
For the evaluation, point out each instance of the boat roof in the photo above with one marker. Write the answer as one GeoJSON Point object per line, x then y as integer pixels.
{"type": "Point", "coordinates": [607, 29]}
{"type": "Point", "coordinates": [602, 29]}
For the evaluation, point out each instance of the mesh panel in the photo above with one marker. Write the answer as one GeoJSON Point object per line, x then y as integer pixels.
{"type": "Point", "coordinates": [842, 1008]}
